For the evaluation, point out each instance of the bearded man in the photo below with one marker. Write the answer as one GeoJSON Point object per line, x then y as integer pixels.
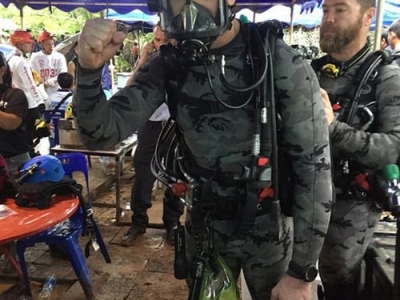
{"type": "Point", "coordinates": [361, 145]}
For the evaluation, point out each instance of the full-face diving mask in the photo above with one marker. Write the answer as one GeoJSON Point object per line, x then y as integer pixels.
{"type": "Point", "coordinates": [196, 19]}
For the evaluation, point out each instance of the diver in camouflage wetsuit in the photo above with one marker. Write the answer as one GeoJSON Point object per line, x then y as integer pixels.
{"type": "Point", "coordinates": [358, 153]}
{"type": "Point", "coordinates": [219, 140]}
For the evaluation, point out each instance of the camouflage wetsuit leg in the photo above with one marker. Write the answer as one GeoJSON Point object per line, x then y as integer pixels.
{"type": "Point", "coordinates": [262, 257]}
{"type": "Point", "coordinates": [352, 225]}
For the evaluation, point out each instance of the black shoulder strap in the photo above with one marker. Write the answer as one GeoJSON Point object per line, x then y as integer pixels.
{"type": "Point", "coordinates": [370, 64]}
{"type": "Point", "coordinates": [364, 74]}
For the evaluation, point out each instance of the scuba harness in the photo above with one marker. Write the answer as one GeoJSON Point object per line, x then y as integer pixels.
{"type": "Point", "coordinates": [333, 69]}
{"type": "Point", "coordinates": [346, 106]}
{"type": "Point", "coordinates": [353, 109]}
{"type": "Point", "coordinates": [261, 173]}
{"type": "Point", "coordinates": [211, 277]}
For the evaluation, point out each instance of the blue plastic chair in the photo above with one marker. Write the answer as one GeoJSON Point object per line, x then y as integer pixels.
{"type": "Point", "coordinates": [77, 162]}
{"type": "Point", "coordinates": [67, 237]}
{"type": "Point", "coordinates": [53, 116]}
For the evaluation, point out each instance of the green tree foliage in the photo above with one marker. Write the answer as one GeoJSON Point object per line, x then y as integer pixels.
{"type": "Point", "coordinates": [53, 20]}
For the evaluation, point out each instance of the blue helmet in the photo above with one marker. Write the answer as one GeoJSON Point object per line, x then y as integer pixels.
{"type": "Point", "coordinates": [43, 168]}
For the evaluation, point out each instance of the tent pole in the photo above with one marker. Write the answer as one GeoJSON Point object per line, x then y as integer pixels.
{"type": "Point", "coordinates": [291, 23]}
{"type": "Point", "coordinates": [378, 25]}
{"type": "Point", "coordinates": [111, 67]}
{"type": "Point", "coordinates": [21, 17]}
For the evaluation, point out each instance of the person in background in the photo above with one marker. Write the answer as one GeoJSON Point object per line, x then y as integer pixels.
{"type": "Point", "coordinates": [106, 79]}
{"type": "Point", "coordinates": [135, 52]}
{"type": "Point", "coordinates": [60, 39]}
{"type": "Point", "coordinates": [66, 82]}
{"type": "Point", "coordinates": [22, 78]}
{"type": "Point", "coordinates": [4, 37]}
{"type": "Point", "coordinates": [144, 179]}
{"type": "Point", "coordinates": [71, 66]}
{"type": "Point", "coordinates": [13, 144]}
{"type": "Point", "coordinates": [13, 113]}
{"type": "Point", "coordinates": [360, 149]}
{"type": "Point", "coordinates": [384, 39]}
{"type": "Point", "coordinates": [394, 39]}
{"type": "Point", "coordinates": [48, 62]}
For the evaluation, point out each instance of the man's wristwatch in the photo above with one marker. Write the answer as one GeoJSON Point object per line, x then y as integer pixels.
{"type": "Point", "coordinates": [308, 273]}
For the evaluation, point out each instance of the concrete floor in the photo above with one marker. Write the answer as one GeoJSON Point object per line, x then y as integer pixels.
{"type": "Point", "coordinates": [143, 271]}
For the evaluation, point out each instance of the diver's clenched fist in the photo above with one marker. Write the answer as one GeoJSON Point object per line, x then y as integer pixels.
{"type": "Point", "coordinates": [98, 43]}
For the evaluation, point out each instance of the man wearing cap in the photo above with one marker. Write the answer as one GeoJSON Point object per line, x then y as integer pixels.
{"type": "Point", "coordinates": [23, 79]}
{"type": "Point", "coordinates": [48, 63]}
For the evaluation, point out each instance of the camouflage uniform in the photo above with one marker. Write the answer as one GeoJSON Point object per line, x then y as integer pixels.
{"type": "Point", "coordinates": [220, 139]}
{"type": "Point", "coordinates": [354, 214]}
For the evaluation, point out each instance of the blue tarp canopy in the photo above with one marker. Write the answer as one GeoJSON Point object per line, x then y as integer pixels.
{"type": "Point", "coordinates": [132, 17]}
{"type": "Point", "coordinates": [311, 18]}
{"type": "Point", "coordinates": [126, 6]}
{"type": "Point", "coordinates": [121, 6]}
{"type": "Point", "coordinates": [391, 12]}
{"type": "Point", "coordinates": [142, 14]}
{"type": "Point", "coordinates": [259, 5]}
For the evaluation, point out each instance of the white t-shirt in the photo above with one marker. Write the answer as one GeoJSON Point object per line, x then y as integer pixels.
{"type": "Point", "coordinates": [49, 66]}
{"type": "Point", "coordinates": [56, 97]}
{"type": "Point", "coordinates": [22, 78]}
{"type": "Point", "coordinates": [161, 114]}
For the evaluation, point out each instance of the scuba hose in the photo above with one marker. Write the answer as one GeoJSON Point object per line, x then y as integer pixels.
{"type": "Point", "coordinates": [158, 163]}
{"type": "Point", "coordinates": [362, 77]}
{"type": "Point", "coordinates": [169, 167]}
{"type": "Point", "coordinates": [262, 55]}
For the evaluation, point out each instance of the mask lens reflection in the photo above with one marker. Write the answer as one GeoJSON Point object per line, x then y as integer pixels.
{"type": "Point", "coordinates": [189, 16]}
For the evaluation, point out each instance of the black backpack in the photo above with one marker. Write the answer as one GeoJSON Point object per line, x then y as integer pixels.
{"type": "Point", "coordinates": [41, 194]}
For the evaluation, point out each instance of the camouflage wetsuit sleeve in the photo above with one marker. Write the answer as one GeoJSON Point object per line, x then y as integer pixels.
{"type": "Point", "coordinates": [306, 140]}
{"type": "Point", "coordinates": [103, 123]}
{"type": "Point", "coordinates": [375, 150]}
